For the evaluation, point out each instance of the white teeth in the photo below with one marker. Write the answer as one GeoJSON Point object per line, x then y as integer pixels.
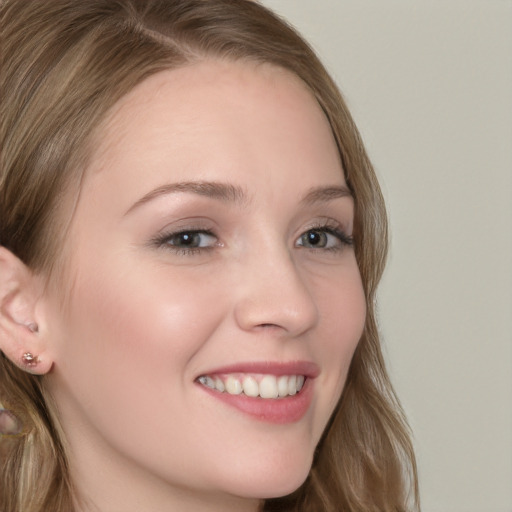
{"type": "Point", "coordinates": [233, 386]}
{"type": "Point", "coordinates": [269, 386]}
{"type": "Point", "coordinates": [292, 385]}
{"type": "Point", "coordinates": [207, 381]}
{"type": "Point", "coordinates": [219, 385]}
{"type": "Point", "coordinates": [282, 385]}
{"type": "Point", "coordinates": [300, 382]}
{"type": "Point", "coordinates": [250, 386]}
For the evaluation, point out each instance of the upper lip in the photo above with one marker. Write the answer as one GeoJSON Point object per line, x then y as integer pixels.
{"type": "Point", "coordinates": [277, 368]}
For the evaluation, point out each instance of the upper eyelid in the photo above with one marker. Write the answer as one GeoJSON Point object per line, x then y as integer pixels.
{"type": "Point", "coordinates": [205, 224]}
{"type": "Point", "coordinates": [328, 222]}
{"type": "Point", "coordinates": [192, 224]}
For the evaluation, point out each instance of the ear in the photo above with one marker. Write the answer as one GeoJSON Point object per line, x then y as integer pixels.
{"type": "Point", "coordinates": [20, 318]}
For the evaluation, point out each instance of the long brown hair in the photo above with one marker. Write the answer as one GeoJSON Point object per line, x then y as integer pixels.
{"type": "Point", "coordinates": [65, 63]}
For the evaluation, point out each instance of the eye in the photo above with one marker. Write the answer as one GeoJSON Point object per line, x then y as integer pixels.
{"type": "Point", "coordinates": [325, 237]}
{"type": "Point", "coordinates": [188, 240]}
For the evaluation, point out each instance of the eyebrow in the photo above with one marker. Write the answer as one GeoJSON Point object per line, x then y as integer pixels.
{"type": "Point", "coordinates": [228, 193]}
{"type": "Point", "coordinates": [325, 194]}
{"type": "Point", "coordinates": [221, 191]}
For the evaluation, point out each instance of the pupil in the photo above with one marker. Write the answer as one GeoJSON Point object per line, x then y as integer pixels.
{"type": "Point", "coordinates": [187, 239]}
{"type": "Point", "coordinates": [314, 237]}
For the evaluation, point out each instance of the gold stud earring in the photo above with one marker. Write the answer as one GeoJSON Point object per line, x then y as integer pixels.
{"type": "Point", "coordinates": [29, 359]}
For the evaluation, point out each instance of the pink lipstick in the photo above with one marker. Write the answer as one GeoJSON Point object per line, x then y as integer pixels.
{"type": "Point", "coordinates": [273, 392]}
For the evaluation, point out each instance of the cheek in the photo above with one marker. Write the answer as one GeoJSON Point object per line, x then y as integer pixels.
{"type": "Point", "coordinates": [128, 336]}
{"type": "Point", "coordinates": [135, 305]}
{"type": "Point", "coordinates": [342, 309]}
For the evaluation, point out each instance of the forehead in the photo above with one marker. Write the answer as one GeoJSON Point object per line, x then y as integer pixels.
{"type": "Point", "coordinates": [239, 122]}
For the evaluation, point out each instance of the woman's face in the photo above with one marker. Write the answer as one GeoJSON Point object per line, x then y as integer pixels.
{"type": "Point", "coordinates": [210, 246]}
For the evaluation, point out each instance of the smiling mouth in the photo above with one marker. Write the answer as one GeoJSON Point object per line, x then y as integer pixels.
{"type": "Point", "coordinates": [254, 385]}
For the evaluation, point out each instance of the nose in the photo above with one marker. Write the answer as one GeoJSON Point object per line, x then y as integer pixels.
{"type": "Point", "coordinates": [273, 293]}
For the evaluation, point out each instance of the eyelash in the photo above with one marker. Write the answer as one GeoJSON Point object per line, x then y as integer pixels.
{"type": "Point", "coordinates": [164, 239]}
{"type": "Point", "coordinates": [334, 230]}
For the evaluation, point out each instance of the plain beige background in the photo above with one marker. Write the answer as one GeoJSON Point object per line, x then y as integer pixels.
{"type": "Point", "coordinates": [430, 86]}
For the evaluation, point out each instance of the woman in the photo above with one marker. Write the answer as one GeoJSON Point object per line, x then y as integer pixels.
{"type": "Point", "coordinates": [191, 237]}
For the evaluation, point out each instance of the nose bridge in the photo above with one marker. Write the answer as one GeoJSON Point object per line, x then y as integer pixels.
{"type": "Point", "coordinates": [273, 291]}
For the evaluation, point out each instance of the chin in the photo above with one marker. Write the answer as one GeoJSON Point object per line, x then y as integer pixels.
{"type": "Point", "coordinates": [284, 487]}
{"type": "Point", "coordinates": [272, 481]}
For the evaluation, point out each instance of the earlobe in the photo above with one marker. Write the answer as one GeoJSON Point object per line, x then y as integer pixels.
{"type": "Point", "coordinates": [20, 337]}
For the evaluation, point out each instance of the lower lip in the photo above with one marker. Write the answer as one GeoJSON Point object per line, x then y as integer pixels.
{"type": "Point", "coordinates": [279, 410]}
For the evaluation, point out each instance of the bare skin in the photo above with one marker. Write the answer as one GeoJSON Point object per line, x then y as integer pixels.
{"type": "Point", "coordinates": [213, 229]}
